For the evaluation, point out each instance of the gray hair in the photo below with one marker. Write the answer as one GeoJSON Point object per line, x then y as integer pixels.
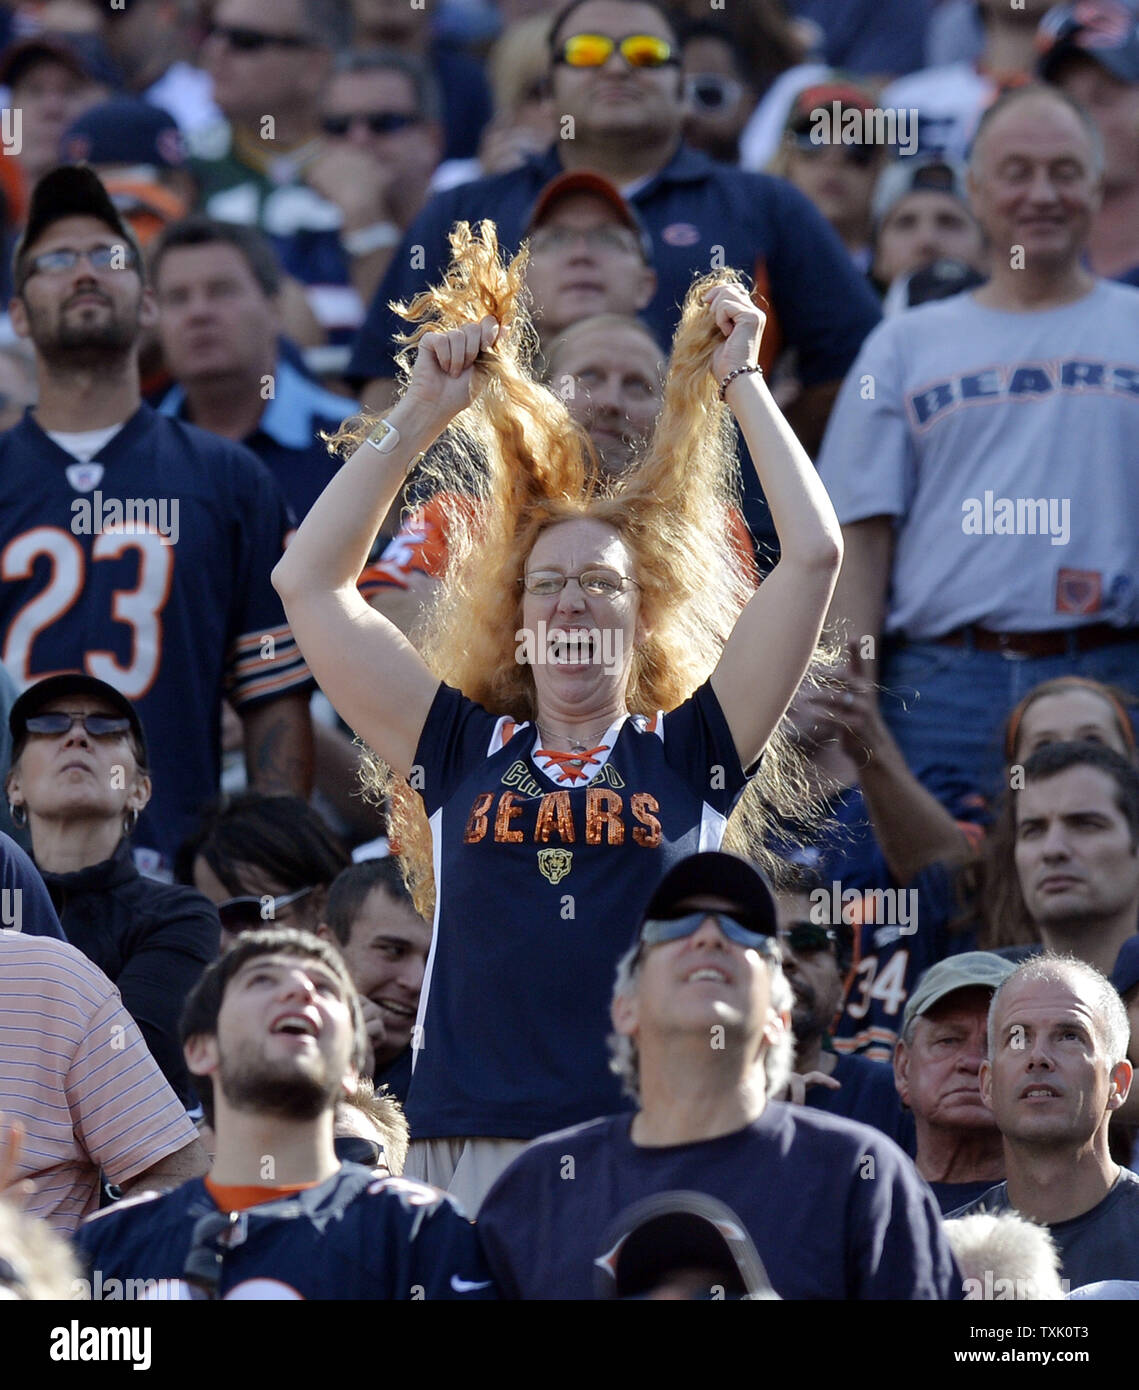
{"type": "Point", "coordinates": [1111, 1022]}
{"type": "Point", "coordinates": [428, 97]}
{"type": "Point", "coordinates": [1036, 89]}
{"type": "Point", "coordinates": [1004, 1255]}
{"type": "Point", "coordinates": [778, 1057]}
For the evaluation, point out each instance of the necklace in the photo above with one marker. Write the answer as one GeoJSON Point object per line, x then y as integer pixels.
{"type": "Point", "coordinates": [575, 746]}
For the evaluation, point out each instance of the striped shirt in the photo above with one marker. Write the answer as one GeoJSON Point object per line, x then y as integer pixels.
{"type": "Point", "coordinates": [75, 1070]}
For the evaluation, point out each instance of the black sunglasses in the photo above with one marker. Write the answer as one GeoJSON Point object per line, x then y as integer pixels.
{"type": "Point", "coordinates": [249, 912]}
{"type": "Point", "coordinates": [243, 40]}
{"type": "Point", "coordinates": [354, 1149]}
{"type": "Point", "coordinates": [60, 722]}
{"type": "Point", "coordinates": [862, 156]}
{"type": "Point", "coordinates": [806, 938]}
{"type": "Point", "coordinates": [378, 122]}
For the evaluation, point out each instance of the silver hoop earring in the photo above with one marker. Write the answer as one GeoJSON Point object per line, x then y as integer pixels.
{"type": "Point", "coordinates": [19, 814]}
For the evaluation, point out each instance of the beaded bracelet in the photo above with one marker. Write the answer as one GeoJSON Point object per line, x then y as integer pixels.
{"type": "Point", "coordinates": [739, 371]}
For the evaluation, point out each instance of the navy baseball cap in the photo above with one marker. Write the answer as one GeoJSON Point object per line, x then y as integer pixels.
{"type": "Point", "coordinates": [726, 876]}
{"type": "Point", "coordinates": [902, 177]}
{"type": "Point", "coordinates": [675, 1232]}
{"type": "Point", "coordinates": [125, 131]}
{"type": "Point", "coordinates": [71, 683]}
{"type": "Point", "coordinates": [1106, 31]}
{"type": "Point", "coordinates": [1125, 972]}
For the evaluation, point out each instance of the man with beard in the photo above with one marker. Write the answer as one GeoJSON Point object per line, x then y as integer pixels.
{"type": "Point", "coordinates": [816, 961]}
{"type": "Point", "coordinates": [133, 547]}
{"type": "Point", "coordinates": [274, 1037]}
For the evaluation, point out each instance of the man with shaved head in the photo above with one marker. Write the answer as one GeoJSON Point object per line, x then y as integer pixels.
{"type": "Point", "coordinates": [980, 458]}
{"type": "Point", "coordinates": [1056, 1071]}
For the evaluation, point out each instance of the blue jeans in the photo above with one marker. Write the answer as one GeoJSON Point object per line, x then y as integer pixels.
{"type": "Point", "coordinates": [946, 705]}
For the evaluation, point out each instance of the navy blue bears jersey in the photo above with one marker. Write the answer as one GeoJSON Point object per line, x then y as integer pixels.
{"type": "Point", "coordinates": [148, 568]}
{"type": "Point", "coordinates": [352, 1236]}
{"type": "Point", "coordinates": [542, 867]}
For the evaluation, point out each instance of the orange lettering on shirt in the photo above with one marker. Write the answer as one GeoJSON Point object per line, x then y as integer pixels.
{"type": "Point", "coordinates": [603, 808]}
{"type": "Point", "coordinates": [507, 811]}
{"type": "Point", "coordinates": [476, 822]}
{"type": "Point", "coordinates": [555, 811]}
{"type": "Point", "coordinates": [643, 805]}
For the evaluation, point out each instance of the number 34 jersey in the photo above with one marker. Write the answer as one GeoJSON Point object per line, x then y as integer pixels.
{"type": "Point", "coordinates": [148, 567]}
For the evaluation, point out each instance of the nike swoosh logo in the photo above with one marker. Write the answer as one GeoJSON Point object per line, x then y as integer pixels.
{"type": "Point", "coordinates": [468, 1285]}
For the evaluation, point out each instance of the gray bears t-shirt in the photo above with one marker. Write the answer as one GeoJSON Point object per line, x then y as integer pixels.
{"type": "Point", "coordinates": [1006, 447]}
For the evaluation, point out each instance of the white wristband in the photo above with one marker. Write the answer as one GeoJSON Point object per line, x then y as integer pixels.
{"type": "Point", "coordinates": [384, 438]}
{"type": "Point", "coordinates": [379, 236]}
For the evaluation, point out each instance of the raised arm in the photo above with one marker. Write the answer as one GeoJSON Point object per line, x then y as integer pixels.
{"type": "Point", "coordinates": [374, 677]}
{"type": "Point", "coordinates": [773, 640]}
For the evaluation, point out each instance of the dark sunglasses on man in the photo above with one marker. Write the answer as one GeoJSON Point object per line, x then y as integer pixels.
{"type": "Point", "coordinates": [655, 931]}
{"type": "Point", "coordinates": [244, 40]}
{"type": "Point", "coordinates": [594, 50]}
{"type": "Point", "coordinates": [378, 122]}
{"type": "Point", "coordinates": [710, 92]}
{"type": "Point", "coordinates": [249, 912]}
{"type": "Point", "coordinates": [808, 938]}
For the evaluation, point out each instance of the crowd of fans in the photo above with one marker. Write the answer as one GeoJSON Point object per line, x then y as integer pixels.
{"type": "Point", "coordinates": [569, 623]}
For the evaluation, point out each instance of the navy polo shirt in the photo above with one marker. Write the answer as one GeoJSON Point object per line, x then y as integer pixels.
{"type": "Point", "coordinates": [287, 438]}
{"type": "Point", "coordinates": [699, 214]}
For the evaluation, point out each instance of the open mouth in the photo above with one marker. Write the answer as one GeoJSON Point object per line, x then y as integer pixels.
{"type": "Point", "coordinates": [295, 1025]}
{"type": "Point", "coordinates": [574, 648]}
{"type": "Point", "coordinates": [404, 1012]}
{"type": "Point", "coordinates": [707, 972]}
{"type": "Point", "coordinates": [1039, 1093]}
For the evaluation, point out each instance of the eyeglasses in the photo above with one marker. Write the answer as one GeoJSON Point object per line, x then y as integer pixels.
{"type": "Point", "coordinates": [378, 122]}
{"type": "Point", "coordinates": [807, 938]}
{"type": "Point", "coordinates": [66, 258]}
{"type": "Point", "coordinates": [615, 240]}
{"type": "Point", "coordinates": [61, 722]}
{"type": "Point", "coordinates": [656, 931]}
{"type": "Point", "coordinates": [243, 40]}
{"type": "Point", "coordinates": [708, 91]}
{"type": "Point", "coordinates": [862, 156]}
{"type": "Point", "coordinates": [354, 1149]}
{"type": "Point", "coordinates": [249, 912]}
{"type": "Point", "coordinates": [638, 51]}
{"type": "Point", "coordinates": [598, 583]}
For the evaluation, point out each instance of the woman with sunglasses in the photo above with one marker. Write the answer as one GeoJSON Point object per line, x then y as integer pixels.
{"type": "Point", "coordinates": [597, 682]}
{"type": "Point", "coordinates": [78, 780]}
{"type": "Point", "coordinates": [262, 859]}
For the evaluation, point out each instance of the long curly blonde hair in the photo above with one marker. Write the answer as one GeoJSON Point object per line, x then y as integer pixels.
{"type": "Point", "coordinates": [517, 450]}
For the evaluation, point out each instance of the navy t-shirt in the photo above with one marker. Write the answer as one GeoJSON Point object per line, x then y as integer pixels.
{"type": "Point", "coordinates": [1101, 1244]}
{"type": "Point", "coordinates": [953, 1196]}
{"type": "Point", "coordinates": [835, 1209]}
{"type": "Point", "coordinates": [540, 877]}
{"type": "Point", "coordinates": [352, 1236]}
{"type": "Point", "coordinates": [867, 1094]}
